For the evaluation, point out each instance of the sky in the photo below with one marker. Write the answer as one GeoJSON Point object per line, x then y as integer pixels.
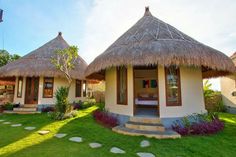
{"type": "Point", "coordinates": [93, 25]}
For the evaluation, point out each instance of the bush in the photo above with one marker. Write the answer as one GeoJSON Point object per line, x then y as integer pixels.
{"type": "Point", "coordinates": [101, 106]}
{"type": "Point", "coordinates": [63, 107]}
{"type": "Point", "coordinates": [48, 109]}
{"type": "Point", "coordinates": [8, 106]}
{"type": "Point", "coordinates": [88, 103]}
{"type": "Point", "coordinates": [105, 119]}
{"type": "Point", "coordinates": [202, 124]}
{"type": "Point", "coordinates": [77, 105]}
{"type": "Point", "coordinates": [62, 116]}
{"type": "Point", "coordinates": [62, 103]}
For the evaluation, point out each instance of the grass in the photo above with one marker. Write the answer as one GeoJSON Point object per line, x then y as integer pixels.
{"type": "Point", "coordinates": [17, 142]}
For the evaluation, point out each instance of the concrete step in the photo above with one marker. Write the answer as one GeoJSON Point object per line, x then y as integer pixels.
{"type": "Point", "coordinates": [145, 126]}
{"type": "Point", "coordinates": [155, 134]}
{"type": "Point", "coordinates": [19, 112]}
{"type": "Point", "coordinates": [23, 109]}
{"type": "Point", "coordinates": [148, 120]}
{"type": "Point", "coordinates": [30, 105]}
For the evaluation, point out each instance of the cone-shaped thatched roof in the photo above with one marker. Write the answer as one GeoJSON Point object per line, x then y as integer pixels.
{"type": "Point", "coordinates": [38, 62]}
{"type": "Point", "coordinates": [153, 42]}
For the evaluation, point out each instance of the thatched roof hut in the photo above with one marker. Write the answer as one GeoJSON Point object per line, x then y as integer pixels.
{"type": "Point", "coordinates": [153, 42]}
{"type": "Point", "coordinates": [38, 62]}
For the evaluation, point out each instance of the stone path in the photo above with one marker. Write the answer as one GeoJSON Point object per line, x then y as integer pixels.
{"type": "Point", "coordinates": [117, 150]}
{"type": "Point", "coordinates": [144, 143]}
{"type": "Point", "coordinates": [143, 154]}
{"type": "Point", "coordinates": [95, 145]}
{"type": "Point", "coordinates": [6, 123]}
{"type": "Point", "coordinates": [30, 128]}
{"type": "Point", "coordinates": [16, 125]}
{"type": "Point", "coordinates": [60, 135]}
{"type": "Point", "coordinates": [43, 132]}
{"type": "Point", "coordinates": [76, 139]}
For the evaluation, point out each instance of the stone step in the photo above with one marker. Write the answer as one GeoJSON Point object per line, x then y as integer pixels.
{"type": "Point", "coordinates": [148, 120]}
{"type": "Point", "coordinates": [144, 126]}
{"type": "Point", "coordinates": [30, 105]}
{"type": "Point", "coordinates": [23, 109]}
{"type": "Point", "coordinates": [155, 134]}
{"type": "Point", "coordinates": [20, 112]}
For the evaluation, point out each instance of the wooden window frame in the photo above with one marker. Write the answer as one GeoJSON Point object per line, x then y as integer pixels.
{"type": "Point", "coordinates": [179, 103]}
{"type": "Point", "coordinates": [76, 91]}
{"type": "Point", "coordinates": [44, 86]}
{"type": "Point", "coordinates": [117, 85]}
{"type": "Point", "coordinates": [18, 82]}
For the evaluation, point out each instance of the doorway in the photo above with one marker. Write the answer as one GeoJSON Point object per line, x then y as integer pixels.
{"type": "Point", "coordinates": [31, 91]}
{"type": "Point", "coordinates": [146, 93]}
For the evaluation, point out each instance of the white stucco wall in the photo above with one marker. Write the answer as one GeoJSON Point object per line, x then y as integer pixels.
{"type": "Point", "coordinates": [191, 88]}
{"type": "Point", "coordinates": [227, 87]}
{"type": "Point", "coordinates": [110, 93]}
{"type": "Point", "coordinates": [58, 82]}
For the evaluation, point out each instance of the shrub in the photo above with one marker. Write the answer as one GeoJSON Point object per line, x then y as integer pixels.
{"type": "Point", "coordinates": [202, 124]}
{"type": "Point", "coordinates": [63, 107]}
{"type": "Point", "coordinates": [48, 109]}
{"type": "Point", "coordinates": [101, 106]}
{"type": "Point", "coordinates": [8, 106]}
{"type": "Point", "coordinates": [88, 103]}
{"type": "Point", "coordinates": [77, 105]}
{"type": "Point", "coordinates": [105, 119]}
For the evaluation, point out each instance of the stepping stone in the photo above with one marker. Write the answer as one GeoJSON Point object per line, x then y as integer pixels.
{"type": "Point", "coordinates": [117, 150]}
{"type": "Point", "coordinates": [6, 123]}
{"type": "Point", "coordinates": [16, 125]}
{"type": "Point", "coordinates": [1, 120]}
{"type": "Point", "coordinates": [30, 128]}
{"type": "Point", "coordinates": [60, 135]}
{"type": "Point", "coordinates": [76, 139]}
{"type": "Point", "coordinates": [43, 132]}
{"type": "Point", "coordinates": [143, 154]}
{"type": "Point", "coordinates": [144, 143]}
{"type": "Point", "coordinates": [95, 145]}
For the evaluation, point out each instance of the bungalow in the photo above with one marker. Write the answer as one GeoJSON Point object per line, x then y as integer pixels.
{"type": "Point", "coordinates": [37, 79]}
{"type": "Point", "coordinates": [228, 89]}
{"type": "Point", "coordinates": [154, 72]}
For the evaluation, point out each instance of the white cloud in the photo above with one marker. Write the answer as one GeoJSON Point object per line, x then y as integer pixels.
{"type": "Point", "coordinates": [211, 22]}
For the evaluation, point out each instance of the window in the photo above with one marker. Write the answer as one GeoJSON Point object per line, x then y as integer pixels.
{"type": "Point", "coordinates": [84, 88]}
{"type": "Point", "coordinates": [173, 88]}
{"type": "Point", "coordinates": [20, 86]}
{"type": "Point", "coordinates": [48, 87]}
{"type": "Point", "coordinates": [78, 86]}
{"type": "Point", "coordinates": [122, 85]}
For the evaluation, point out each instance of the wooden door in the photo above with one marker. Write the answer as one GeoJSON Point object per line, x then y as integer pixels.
{"type": "Point", "coordinates": [31, 91]}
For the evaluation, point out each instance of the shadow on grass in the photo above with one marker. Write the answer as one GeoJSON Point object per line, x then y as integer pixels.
{"type": "Point", "coordinates": [35, 139]}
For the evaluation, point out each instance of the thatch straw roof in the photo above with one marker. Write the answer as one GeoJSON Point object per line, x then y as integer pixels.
{"type": "Point", "coordinates": [38, 62]}
{"type": "Point", "coordinates": [153, 42]}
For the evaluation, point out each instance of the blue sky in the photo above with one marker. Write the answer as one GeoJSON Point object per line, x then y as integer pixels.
{"type": "Point", "coordinates": [29, 24]}
{"type": "Point", "coordinates": [93, 25]}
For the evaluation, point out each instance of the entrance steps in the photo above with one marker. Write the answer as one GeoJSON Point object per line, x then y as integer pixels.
{"type": "Point", "coordinates": [144, 126]}
{"type": "Point", "coordinates": [26, 109]}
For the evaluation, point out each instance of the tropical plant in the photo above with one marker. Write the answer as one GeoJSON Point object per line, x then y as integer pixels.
{"type": "Point", "coordinates": [62, 105]}
{"type": "Point", "coordinates": [208, 92]}
{"type": "Point", "coordinates": [65, 61]}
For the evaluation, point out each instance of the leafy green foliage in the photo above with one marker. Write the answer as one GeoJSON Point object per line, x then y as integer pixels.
{"type": "Point", "coordinates": [213, 99]}
{"type": "Point", "coordinates": [8, 106]}
{"type": "Point", "coordinates": [63, 107]}
{"type": "Point", "coordinates": [6, 57]}
{"type": "Point", "coordinates": [65, 61]}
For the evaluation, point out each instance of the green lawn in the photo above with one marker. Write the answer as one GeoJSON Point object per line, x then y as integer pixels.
{"type": "Point", "coordinates": [21, 143]}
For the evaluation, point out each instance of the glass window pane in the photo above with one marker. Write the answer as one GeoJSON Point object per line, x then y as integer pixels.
{"type": "Point", "coordinates": [173, 86]}
{"type": "Point", "coordinates": [20, 85]}
{"type": "Point", "coordinates": [48, 87]}
{"type": "Point", "coordinates": [121, 85]}
{"type": "Point", "coordinates": [78, 87]}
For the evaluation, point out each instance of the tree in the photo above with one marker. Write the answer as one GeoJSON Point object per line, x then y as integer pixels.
{"type": "Point", "coordinates": [65, 61]}
{"type": "Point", "coordinates": [6, 57]}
